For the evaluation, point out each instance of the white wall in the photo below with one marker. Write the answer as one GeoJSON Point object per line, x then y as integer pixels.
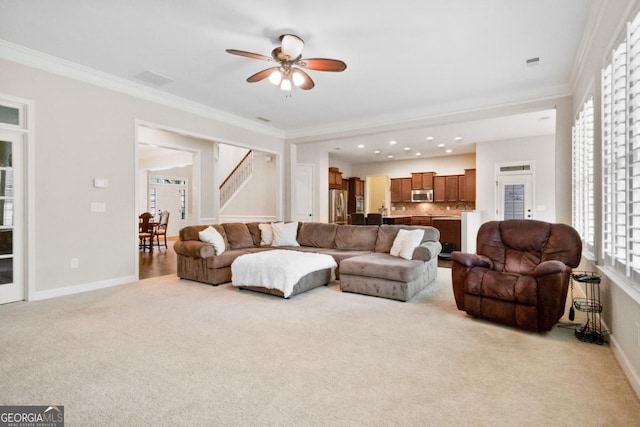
{"type": "Point", "coordinates": [259, 193]}
{"type": "Point", "coordinates": [541, 150]}
{"type": "Point", "coordinates": [84, 131]}
{"type": "Point", "coordinates": [445, 165]}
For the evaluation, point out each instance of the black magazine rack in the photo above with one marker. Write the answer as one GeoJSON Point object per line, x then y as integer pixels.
{"type": "Point", "coordinates": [591, 331]}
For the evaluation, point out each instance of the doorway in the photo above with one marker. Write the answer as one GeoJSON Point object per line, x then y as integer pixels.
{"type": "Point", "coordinates": [514, 193]}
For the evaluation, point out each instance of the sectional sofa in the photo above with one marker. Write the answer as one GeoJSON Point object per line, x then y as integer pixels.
{"type": "Point", "coordinates": [362, 252]}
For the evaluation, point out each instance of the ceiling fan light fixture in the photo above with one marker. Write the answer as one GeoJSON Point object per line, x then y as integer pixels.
{"type": "Point", "coordinates": [275, 77]}
{"type": "Point", "coordinates": [297, 77]}
{"type": "Point", "coordinates": [285, 84]}
{"type": "Point", "coordinates": [292, 46]}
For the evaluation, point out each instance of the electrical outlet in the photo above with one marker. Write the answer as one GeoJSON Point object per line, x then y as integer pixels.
{"type": "Point", "coordinates": [75, 262]}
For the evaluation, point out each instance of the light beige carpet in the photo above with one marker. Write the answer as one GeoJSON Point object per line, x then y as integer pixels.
{"type": "Point", "coordinates": [170, 352]}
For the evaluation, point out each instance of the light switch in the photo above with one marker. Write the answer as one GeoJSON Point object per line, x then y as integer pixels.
{"type": "Point", "coordinates": [98, 207]}
{"type": "Point", "coordinates": [100, 182]}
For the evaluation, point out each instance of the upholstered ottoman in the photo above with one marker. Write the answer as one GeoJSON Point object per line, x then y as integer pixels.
{"type": "Point", "coordinates": [282, 272]}
{"type": "Point", "coordinates": [386, 276]}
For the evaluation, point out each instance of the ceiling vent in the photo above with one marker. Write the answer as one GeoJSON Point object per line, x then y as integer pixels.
{"type": "Point", "coordinates": [153, 78]}
{"type": "Point", "coordinates": [533, 61]}
{"type": "Point", "coordinates": [264, 119]}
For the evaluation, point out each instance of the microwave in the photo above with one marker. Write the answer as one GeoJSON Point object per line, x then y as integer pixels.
{"type": "Point", "coordinates": [422, 195]}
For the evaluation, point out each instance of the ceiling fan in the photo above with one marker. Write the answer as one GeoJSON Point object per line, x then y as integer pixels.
{"type": "Point", "coordinates": [289, 72]}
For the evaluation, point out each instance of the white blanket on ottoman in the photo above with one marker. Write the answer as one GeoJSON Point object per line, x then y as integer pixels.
{"type": "Point", "coordinates": [277, 269]}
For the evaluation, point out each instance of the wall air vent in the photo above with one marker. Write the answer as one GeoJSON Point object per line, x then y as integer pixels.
{"type": "Point", "coordinates": [153, 78]}
{"type": "Point", "coordinates": [264, 119]}
{"type": "Point", "coordinates": [515, 168]}
{"type": "Point", "coordinates": [533, 61]}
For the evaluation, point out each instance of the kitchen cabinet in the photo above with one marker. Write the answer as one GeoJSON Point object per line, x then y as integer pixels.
{"type": "Point", "coordinates": [451, 188]}
{"type": "Point", "coordinates": [406, 189]}
{"type": "Point", "coordinates": [450, 231]}
{"type": "Point", "coordinates": [395, 220]}
{"type": "Point", "coordinates": [396, 190]}
{"type": "Point", "coordinates": [420, 220]}
{"type": "Point", "coordinates": [439, 188]}
{"type": "Point", "coordinates": [470, 185]}
{"type": "Point", "coordinates": [462, 188]}
{"type": "Point", "coordinates": [422, 180]}
{"type": "Point", "coordinates": [335, 179]}
{"type": "Point", "coordinates": [400, 190]}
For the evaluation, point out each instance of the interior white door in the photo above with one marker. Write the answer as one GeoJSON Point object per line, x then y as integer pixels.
{"type": "Point", "coordinates": [514, 197]}
{"type": "Point", "coordinates": [303, 193]}
{"type": "Point", "coordinates": [12, 287]}
{"type": "Point", "coordinates": [169, 197]}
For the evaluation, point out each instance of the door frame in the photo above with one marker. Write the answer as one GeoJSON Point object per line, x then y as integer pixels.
{"type": "Point", "coordinates": [25, 224]}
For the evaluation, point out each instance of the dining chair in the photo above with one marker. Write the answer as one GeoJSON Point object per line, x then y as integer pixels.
{"type": "Point", "coordinates": [145, 231]}
{"type": "Point", "coordinates": [357, 218]}
{"type": "Point", "coordinates": [374, 219]}
{"type": "Point", "coordinates": [161, 228]}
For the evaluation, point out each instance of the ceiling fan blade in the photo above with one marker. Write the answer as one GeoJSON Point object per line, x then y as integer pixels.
{"type": "Point", "coordinates": [308, 81]}
{"type": "Point", "coordinates": [291, 46]}
{"type": "Point", "coordinates": [261, 75]}
{"type": "Point", "coordinates": [249, 54]}
{"type": "Point", "coordinates": [322, 64]}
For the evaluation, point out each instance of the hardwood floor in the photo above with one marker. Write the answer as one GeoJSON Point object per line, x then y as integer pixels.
{"type": "Point", "coordinates": [160, 262]}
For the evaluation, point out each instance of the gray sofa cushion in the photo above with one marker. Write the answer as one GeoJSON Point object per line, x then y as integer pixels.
{"type": "Point", "coordinates": [238, 235]}
{"type": "Point", "coordinates": [317, 235]}
{"type": "Point", "coordinates": [356, 237]}
{"type": "Point", "coordinates": [383, 266]}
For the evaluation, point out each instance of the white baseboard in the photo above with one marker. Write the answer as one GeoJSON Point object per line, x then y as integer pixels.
{"type": "Point", "coordinates": [625, 363]}
{"type": "Point", "coordinates": [76, 289]}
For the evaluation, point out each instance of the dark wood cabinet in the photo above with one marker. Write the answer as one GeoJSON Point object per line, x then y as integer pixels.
{"type": "Point", "coordinates": [406, 189]}
{"type": "Point", "coordinates": [355, 190]}
{"type": "Point", "coordinates": [335, 179]}
{"type": "Point", "coordinates": [422, 180]}
{"type": "Point", "coordinates": [470, 185]}
{"type": "Point", "coordinates": [462, 188]}
{"type": "Point", "coordinates": [420, 220]}
{"type": "Point", "coordinates": [451, 188]}
{"type": "Point", "coordinates": [395, 220]}
{"type": "Point", "coordinates": [396, 190]}
{"type": "Point", "coordinates": [450, 231]}
{"type": "Point", "coordinates": [439, 188]}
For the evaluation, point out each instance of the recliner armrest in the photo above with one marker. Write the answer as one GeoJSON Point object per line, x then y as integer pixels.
{"type": "Point", "coordinates": [194, 249]}
{"type": "Point", "coordinates": [471, 260]}
{"type": "Point", "coordinates": [427, 251]}
{"type": "Point", "coordinates": [550, 267]}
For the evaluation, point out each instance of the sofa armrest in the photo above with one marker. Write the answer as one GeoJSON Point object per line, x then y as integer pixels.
{"type": "Point", "coordinates": [471, 260]}
{"type": "Point", "coordinates": [546, 268]}
{"type": "Point", "coordinates": [427, 251]}
{"type": "Point", "coordinates": [194, 249]}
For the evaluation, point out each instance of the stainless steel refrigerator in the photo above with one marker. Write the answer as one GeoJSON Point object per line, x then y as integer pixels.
{"type": "Point", "coordinates": [338, 206]}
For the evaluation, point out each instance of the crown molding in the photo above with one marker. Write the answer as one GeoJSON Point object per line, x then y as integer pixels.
{"type": "Point", "coordinates": [51, 64]}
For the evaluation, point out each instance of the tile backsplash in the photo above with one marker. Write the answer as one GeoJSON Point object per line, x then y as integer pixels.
{"type": "Point", "coordinates": [448, 209]}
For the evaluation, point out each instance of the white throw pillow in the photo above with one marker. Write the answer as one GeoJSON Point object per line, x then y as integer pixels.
{"type": "Point", "coordinates": [406, 242]}
{"type": "Point", "coordinates": [213, 237]}
{"type": "Point", "coordinates": [266, 234]}
{"type": "Point", "coordinates": [285, 234]}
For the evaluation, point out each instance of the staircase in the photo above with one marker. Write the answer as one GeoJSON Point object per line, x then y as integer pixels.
{"type": "Point", "coordinates": [238, 176]}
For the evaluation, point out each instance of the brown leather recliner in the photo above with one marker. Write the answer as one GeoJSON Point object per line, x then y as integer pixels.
{"type": "Point", "coordinates": [520, 274]}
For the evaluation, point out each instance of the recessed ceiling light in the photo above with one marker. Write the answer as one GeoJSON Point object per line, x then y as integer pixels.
{"type": "Point", "coordinates": [458, 138]}
{"type": "Point", "coordinates": [392, 142]}
{"type": "Point", "coordinates": [429, 138]}
{"type": "Point", "coordinates": [449, 150]}
{"type": "Point", "coordinates": [376, 152]}
{"type": "Point", "coordinates": [418, 154]}
{"type": "Point", "coordinates": [390, 156]}
{"type": "Point", "coordinates": [360, 145]}
{"type": "Point", "coordinates": [407, 148]}
{"type": "Point", "coordinates": [440, 145]}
